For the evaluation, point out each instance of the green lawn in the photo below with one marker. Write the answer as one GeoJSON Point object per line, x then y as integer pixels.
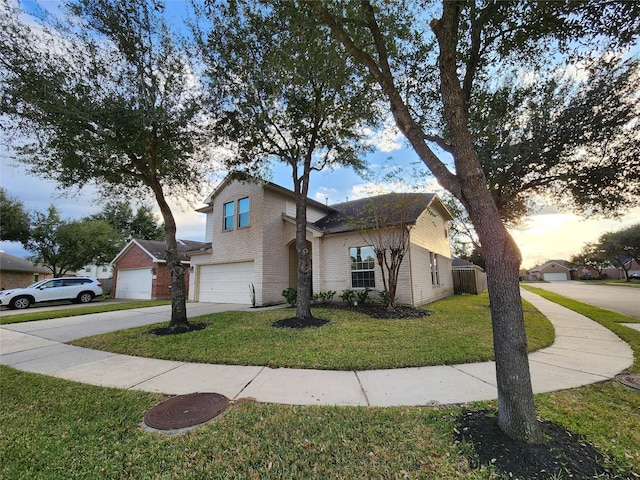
{"type": "Point", "coordinates": [54, 429]}
{"type": "Point", "coordinates": [459, 331]}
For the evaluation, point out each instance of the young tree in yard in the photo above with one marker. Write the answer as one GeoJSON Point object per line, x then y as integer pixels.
{"type": "Point", "coordinates": [106, 97]}
{"type": "Point", "coordinates": [385, 223]}
{"type": "Point", "coordinates": [288, 95]}
{"type": "Point", "coordinates": [14, 219]}
{"type": "Point", "coordinates": [434, 76]}
{"type": "Point", "coordinates": [64, 246]}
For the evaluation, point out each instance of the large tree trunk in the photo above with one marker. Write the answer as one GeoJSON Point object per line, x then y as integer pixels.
{"type": "Point", "coordinates": [178, 291]}
{"type": "Point", "coordinates": [516, 409]}
{"type": "Point", "coordinates": [303, 303]}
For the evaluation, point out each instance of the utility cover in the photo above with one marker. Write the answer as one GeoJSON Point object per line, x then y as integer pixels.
{"type": "Point", "coordinates": [185, 411]}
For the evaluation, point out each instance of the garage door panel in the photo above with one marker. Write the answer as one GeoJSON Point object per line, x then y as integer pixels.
{"type": "Point", "coordinates": [226, 283]}
{"type": "Point", "coordinates": [555, 277]}
{"type": "Point", "coordinates": [134, 283]}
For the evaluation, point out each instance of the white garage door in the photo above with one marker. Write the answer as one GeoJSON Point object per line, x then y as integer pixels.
{"type": "Point", "coordinates": [554, 277]}
{"type": "Point", "coordinates": [226, 283]}
{"type": "Point", "coordinates": [134, 283]}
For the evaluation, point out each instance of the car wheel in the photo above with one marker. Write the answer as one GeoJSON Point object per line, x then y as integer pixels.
{"type": "Point", "coordinates": [20, 303]}
{"type": "Point", "coordinates": [85, 297]}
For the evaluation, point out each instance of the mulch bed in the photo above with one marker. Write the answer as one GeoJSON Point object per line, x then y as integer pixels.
{"type": "Point", "coordinates": [296, 322]}
{"type": "Point", "coordinates": [375, 310]}
{"type": "Point", "coordinates": [190, 327]}
{"type": "Point", "coordinates": [562, 455]}
{"type": "Point", "coordinates": [372, 310]}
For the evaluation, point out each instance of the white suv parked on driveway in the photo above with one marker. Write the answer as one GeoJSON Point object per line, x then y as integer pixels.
{"type": "Point", "coordinates": [76, 289]}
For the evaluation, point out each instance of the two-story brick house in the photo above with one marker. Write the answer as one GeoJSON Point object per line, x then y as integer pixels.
{"type": "Point", "coordinates": [250, 248]}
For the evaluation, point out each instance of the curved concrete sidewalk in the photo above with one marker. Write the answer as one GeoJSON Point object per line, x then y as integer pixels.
{"type": "Point", "coordinates": [584, 352]}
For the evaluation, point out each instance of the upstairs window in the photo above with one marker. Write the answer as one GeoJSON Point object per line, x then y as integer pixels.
{"type": "Point", "coordinates": [228, 216]}
{"type": "Point", "coordinates": [243, 212]}
{"type": "Point", "coordinates": [362, 267]}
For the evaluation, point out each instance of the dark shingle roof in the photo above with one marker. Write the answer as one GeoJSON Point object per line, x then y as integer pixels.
{"type": "Point", "coordinates": [560, 263]}
{"type": "Point", "coordinates": [375, 212]}
{"type": "Point", "coordinates": [158, 249]}
{"type": "Point", "coordinates": [459, 262]}
{"type": "Point", "coordinates": [11, 263]}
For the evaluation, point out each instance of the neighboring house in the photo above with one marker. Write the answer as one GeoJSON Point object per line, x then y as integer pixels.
{"type": "Point", "coordinates": [468, 277]}
{"type": "Point", "coordinates": [250, 235]}
{"type": "Point", "coordinates": [632, 266]}
{"type": "Point", "coordinates": [96, 271]}
{"type": "Point", "coordinates": [617, 273]}
{"type": "Point", "coordinates": [16, 272]}
{"type": "Point", "coordinates": [553, 271]}
{"type": "Point", "coordinates": [140, 269]}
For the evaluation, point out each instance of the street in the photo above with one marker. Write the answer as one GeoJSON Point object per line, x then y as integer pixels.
{"type": "Point", "coordinates": [623, 299]}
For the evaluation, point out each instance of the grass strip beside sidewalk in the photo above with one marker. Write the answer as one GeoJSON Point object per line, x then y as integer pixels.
{"type": "Point", "coordinates": [35, 314]}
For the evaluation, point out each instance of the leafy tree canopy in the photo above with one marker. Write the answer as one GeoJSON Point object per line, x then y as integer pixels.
{"type": "Point", "coordinates": [142, 224]}
{"type": "Point", "coordinates": [621, 247]}
{"type": "Point", "coordinates": [287, 94]}
{"type": "Point", "coordinates": [66, 246]}
{"type": "Point", "coordinates": [434, 61]}
{"type": "Point", "coordinates": [14, 219]}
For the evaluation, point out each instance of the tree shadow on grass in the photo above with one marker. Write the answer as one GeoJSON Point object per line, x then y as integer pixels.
{"type": "Point", "coordinates": [190, 327]}
{"type": "Point", "coordinates": [296, 322]}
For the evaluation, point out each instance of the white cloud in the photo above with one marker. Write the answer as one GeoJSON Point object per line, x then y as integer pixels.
{"type": "Point", "coordinates": [387, 139]}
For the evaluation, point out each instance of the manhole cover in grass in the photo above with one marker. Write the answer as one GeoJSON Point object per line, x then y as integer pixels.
{"type": "Point", "coordinates": [185, 411]}
{"type": "Point", "coordinates": [629, 379]}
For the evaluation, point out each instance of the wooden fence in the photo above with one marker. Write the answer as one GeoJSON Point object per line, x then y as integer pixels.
{"type": "Point", "coordinates": [473, 281]}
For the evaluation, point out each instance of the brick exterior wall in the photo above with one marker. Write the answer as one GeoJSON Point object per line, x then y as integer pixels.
{"type": "Point", "coordinates": [9, 279]}
{"type": "Point", "coordinates": [136, 257]}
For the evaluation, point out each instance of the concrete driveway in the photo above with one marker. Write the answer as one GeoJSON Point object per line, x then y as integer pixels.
{"type": "Point", "coordinates": [70, 328]}
{"type": "Point", "coordinates": [625, 300]}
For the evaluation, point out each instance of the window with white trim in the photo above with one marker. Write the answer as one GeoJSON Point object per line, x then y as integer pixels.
{"type": "Point", "coordinates": [228, 211]}
{"type": "Point", "coordinates": [243, 212]}
{"type": "Point", "coordinates": [362, 267]}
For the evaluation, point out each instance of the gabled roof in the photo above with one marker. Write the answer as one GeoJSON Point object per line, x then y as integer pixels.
{"type": "Point", "coordinates": [241, 177]}
{"type": "Point", "coordinates": [389, 210]}
{"type": "Point", "coordinates": [462, 264]}
{"type": "Point", "coordinates": [11, 263]}
{"type": "Point", "coordinates": [560, 263]}
{"type": "Point", "coordinates": [157, 250]}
